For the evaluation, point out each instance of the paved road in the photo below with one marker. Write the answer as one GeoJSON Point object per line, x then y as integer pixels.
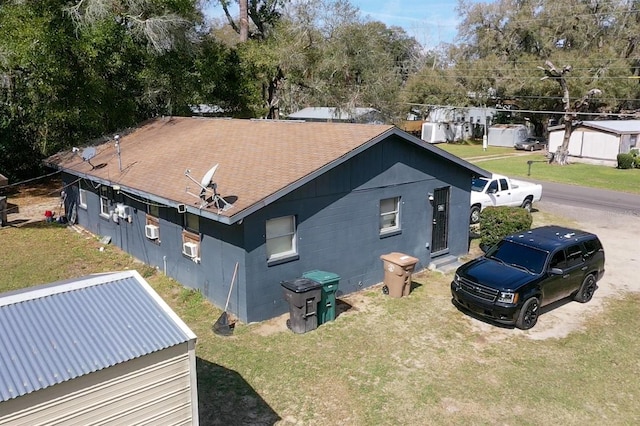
{"type": "Point", "coordinates": [591, 198]}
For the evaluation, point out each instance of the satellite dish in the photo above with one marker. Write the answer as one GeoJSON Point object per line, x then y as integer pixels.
{"type": "Point", "coordinates": [207, 179]}
{"type": "Point", "coordinates": [88, 154]}
{"type": "Point", "coordinates": [207, 183]}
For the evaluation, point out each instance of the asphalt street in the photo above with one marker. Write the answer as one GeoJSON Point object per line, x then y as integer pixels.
{"type": "Point", "coordinates": [590, 198]}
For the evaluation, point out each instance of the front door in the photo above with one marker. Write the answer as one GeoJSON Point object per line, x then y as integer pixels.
{"type": "Point", "coordinates": [440, 227]}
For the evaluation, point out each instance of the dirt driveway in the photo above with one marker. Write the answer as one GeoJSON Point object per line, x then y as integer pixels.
{"type": "Point", "coordinates": [618, 233]}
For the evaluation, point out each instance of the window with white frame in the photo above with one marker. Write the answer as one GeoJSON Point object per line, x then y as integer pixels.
{"type": "Point", "coordinates": [281, 237]}
{"type": "Point", "coordinates": [104, 206]}
{"type": "Point", "coordinates": [389, 215]}
{"type": "Point", "coordinates": [82, 198]}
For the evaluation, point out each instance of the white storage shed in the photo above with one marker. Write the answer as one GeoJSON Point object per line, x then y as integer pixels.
{"type": "Point", "coordinates": [598, 142]}
{"type": "Point", "coordinates": [103, 349]}
{"type": "Point", "coordinates": [507, 134]}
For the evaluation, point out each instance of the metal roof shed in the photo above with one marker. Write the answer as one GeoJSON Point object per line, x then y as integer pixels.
{"type": "Point", "coordinates": [598, 142]}
{"type": "Point", "coordinates": [507, 134]}
{"type": "Point", "coordinates": [103, 349]}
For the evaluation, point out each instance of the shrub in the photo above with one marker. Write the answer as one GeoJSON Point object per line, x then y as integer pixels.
{"type": "Point", "coordinates": [498, 222]}
{"type": "Point", "coordinates": [625, 161]}
{"type": "Point", "coordinates": [636, 157]}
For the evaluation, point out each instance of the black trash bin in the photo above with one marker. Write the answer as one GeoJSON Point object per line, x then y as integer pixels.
{"type": "Point", "coordinates": [303, 296]}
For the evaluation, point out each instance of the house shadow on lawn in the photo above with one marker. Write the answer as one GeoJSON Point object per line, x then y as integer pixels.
{"type": "Point", "coordinates": [225, 398]}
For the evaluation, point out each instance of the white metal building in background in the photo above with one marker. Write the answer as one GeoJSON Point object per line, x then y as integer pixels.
{"type": "Point", "coordinates": [507, 134]}
{"type": "Point", "coordinates": [598, 142]}
{"type": "Point", "coordinates": [103, 349]}
{"type": "Point", "coordinates": [337, 115]}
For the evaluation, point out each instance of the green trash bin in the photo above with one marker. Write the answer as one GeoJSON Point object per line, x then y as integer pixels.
{"type": "Point", "coordinates": [327, 305]}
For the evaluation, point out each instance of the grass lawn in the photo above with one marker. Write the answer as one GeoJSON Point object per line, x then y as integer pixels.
{"type": "Point", "coordinates": [383, 361]}
{"type": "Point", "coordinates": [510, 162]}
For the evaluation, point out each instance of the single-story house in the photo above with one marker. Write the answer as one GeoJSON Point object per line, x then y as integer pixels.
{"type": "Point", "coordinates": [472, 115]}
{"type": "Point", "coordinates": [193, 196]}
{"type": "Point", "coordinates": [507, 134]}
{"type": "Point", "coordinates": [598, 142]}
{"type": "Point", "coordinates": [102, 349]}
{"type": "Point", "coordinates": [338, 115]}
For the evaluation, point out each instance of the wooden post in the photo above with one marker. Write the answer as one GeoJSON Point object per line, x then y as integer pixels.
{"type": "Point", "coordinates": [3, 211]}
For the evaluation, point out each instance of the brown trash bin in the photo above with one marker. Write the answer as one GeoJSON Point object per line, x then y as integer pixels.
{"type": "Point", "coordinates": [397, 273]}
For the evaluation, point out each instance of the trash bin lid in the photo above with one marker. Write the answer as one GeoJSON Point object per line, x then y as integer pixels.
{"type": "Point", "coordinates": [300, 285]}
{"type": "Point", "coordinates": [323, 277]}
{"type": "Point", "coordinates": [400, 259]}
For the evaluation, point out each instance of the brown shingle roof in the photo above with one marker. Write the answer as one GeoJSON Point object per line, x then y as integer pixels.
{"type": "Point", "coordinates": [257, 158]}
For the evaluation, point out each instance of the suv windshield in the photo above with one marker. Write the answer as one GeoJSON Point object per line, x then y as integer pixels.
{"type": "Point", "coordinates": [519, 255]}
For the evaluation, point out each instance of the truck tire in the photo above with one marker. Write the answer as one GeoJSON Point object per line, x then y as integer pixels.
{"type": "Point", "coordinates": [528, 316]}
{"type": "Point", "coordinates": [474, 217]}
{"type": "Point", "coordinates": [526, 204]}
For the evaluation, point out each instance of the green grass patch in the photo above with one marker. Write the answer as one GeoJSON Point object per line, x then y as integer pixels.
{"type": "Point", "coordinates": [471, 150]}
{"type": "Point", "coordinates": [509, 162]}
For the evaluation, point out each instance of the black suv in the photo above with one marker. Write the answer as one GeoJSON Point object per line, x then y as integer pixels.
{"type": "Point", "coordinates": [528, 270]}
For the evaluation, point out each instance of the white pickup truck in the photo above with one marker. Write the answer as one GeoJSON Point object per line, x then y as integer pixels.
{"type": "Point", "coordinates": [502, 191]}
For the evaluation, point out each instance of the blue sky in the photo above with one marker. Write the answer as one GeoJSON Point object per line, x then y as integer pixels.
{"type": "Point", "coordinates": [430, 22]}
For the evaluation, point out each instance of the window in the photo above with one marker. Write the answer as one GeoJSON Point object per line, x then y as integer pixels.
{"type": "Point", "coordinates": [82, 198]}
{"type": "Point", "coordinates": [389, 215]}
{"type": "Point", "coordinates": [558, 260]}
{"type": "Point", "coordinates": [104, 206]}
{"type": "Point", "coordinates": [574, 256]}
{"type": "Point", "coordinates": [153, 210]}
{"type": "Point", "coordinates": [192, 222]}
{"type": "Point", "coordinates": [281, 237]}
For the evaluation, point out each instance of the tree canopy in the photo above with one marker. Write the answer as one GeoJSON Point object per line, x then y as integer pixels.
{"type": "Point", "coordinates": [74, 71]}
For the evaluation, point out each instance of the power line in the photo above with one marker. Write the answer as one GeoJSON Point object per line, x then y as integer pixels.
{"type": "Point", "coordinates": [528, 111]}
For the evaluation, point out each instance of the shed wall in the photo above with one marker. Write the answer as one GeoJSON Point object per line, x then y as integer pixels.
{"type": "Point", "coordinates": [589, 145]}
{"type": "Point", "coordinates": [155, 388]}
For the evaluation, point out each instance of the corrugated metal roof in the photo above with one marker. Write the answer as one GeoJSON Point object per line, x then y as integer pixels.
{"type": "Point", "coordinates": [57, 332]}
{"type": "Point", "coordinates": [328, 113]}
{"type": "Point", "coordinates": [614, 126]}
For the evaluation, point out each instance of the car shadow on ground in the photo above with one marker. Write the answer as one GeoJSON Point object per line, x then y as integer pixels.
{"type": "Point", "coordinates": [548, 308]}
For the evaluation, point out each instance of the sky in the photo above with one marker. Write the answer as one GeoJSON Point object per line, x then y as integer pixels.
{"type": "Point", "coordinates": [430, 22]}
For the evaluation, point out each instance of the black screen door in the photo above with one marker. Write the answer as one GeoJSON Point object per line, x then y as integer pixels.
{"type": "Point", "coordinates": [440, 229]}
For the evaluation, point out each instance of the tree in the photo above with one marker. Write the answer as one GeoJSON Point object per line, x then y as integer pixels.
{"type": "Point", "coordinates": [264, 15]}
{"type": "Point", "coordinates": [552, 72]}
{"type": "Point", "coordinates": [63, 82]}
{"type": "Point", "coordinates": [501, 41]}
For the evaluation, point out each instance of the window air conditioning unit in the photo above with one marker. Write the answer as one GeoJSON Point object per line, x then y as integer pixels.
{"type": "Point", "coordinates": [123, 211]}
{"type": "Point", "coordinates": [190, 249]}
{"type": "Point", "coordinates": [152, 232]}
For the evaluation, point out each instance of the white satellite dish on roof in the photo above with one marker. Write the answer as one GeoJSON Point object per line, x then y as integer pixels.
{"type": "Point", "coordinates": [87, 154]}
{"type": "Point", "coordinates": [207, 179]}
{"type": "Point", "coordinates": [205, 184]}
